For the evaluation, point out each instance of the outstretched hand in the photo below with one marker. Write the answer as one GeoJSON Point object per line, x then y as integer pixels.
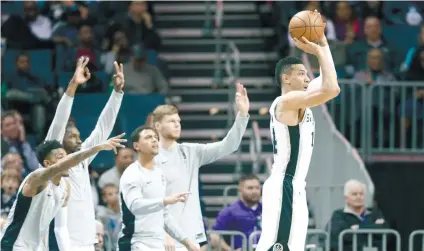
{"type": "Point", "coordinates": [82, 74]}
{"type": "Point", "coordinates": [114, 143]}
{"type": "Point", "coordinates": [242, 100]}
{"type": "Point", "coordinates": [118, 77]}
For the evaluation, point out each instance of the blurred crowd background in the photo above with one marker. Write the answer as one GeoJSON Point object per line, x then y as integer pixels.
{"type": "Point", "coordinates": [180, 53]}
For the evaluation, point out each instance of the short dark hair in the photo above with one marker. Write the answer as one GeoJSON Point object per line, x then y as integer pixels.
{"type": "Point", "coordinates": [284, 65]}
{"type": "Point", "coordinates": [44, 149]}
{"type": "Point", "coordinates": [135, 135]}
{"type": "Point", "coordinates": [249, 177]}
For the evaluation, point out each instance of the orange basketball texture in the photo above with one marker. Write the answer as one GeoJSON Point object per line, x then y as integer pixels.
{"type": "Point", "coordinates": [307, 24]}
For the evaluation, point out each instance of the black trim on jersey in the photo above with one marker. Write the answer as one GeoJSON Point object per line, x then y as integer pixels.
{"type": "Point", "coordinates": [128, 223]}
{"type": "Point", "coordinates": [285, 221]}
{"type": "Point", "coordinates": [53, 246]}
{"type": "Point", "coordinates": [11, 234]}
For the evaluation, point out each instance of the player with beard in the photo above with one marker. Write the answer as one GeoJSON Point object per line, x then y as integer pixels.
{"type": "Point", "coordinates": [145, 217]}
{"type": "Point", "coordinates": [181, 163]}
{"type": "Point", "coordinates": [43, 193]}
{"type": "Point", "coordinates": [81, 218]}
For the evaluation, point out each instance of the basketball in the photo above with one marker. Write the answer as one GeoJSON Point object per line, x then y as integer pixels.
{"type": "Point", "coordinates": [307, 24]}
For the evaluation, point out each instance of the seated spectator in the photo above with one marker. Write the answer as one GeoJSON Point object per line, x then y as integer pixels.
{"type": "Point", "coordinates": [354, 216]}
{"type": "Point", "coordinates": [123, 159]}
{"type": "Point", "coordinates": [40, 25]}
{"type": "Point", "coordinates": [13, 161]}
{"type": "Point", "coordinates": [372, 8]}
{"type": "Point", "coordinates": [26, 91]}
{"type": "Point", "coordinates": [375, 71]}
{"type": "Point", "coordinates": [348, 27]}
{"type": "Point", "coordinates": [68, 27]}
{"type": "Point", "coordinates": [100, 232]}
{"type": "Point", "coordinates": [15, 136]}
{"type": "Point", "coordinates": [119, 51]}
{"type": "Point", "coordinates": [10, 181]}
{"type": "Point", "coordinates": [141, 77]}
{"type": "Point", "coordinates": [32, 31]}
{"type": "Point", "coordinates": [244, 215]}
{"type": "Point", "coordinates": [138, 26]}
{"type": "Point", "coordinates": [357, 51]}
{"type": "Point", "coordinates": [110, 215]}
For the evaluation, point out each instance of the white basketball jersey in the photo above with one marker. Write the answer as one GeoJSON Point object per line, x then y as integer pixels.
{"type": "Point", "coordinates": [292, 145]}
{"type": "Point", "coordinates": [29, 219]}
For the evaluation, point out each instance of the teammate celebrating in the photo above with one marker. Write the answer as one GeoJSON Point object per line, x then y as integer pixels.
{"type": "Point", "coordinates": [43, 193]}
{"type": "Point", "coordinates": [81, 219]}
{"type": "Point", "coordinates": [142, 197]}
{"type": "Point", "coordinates": [285, 220]}
{"type": "Point", "coordinates": [181, 163]}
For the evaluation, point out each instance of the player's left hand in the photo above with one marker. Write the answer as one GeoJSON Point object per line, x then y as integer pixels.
{"type": "Point", "coordinates": [118, 77]}
{"type": "Point", "coordinates": [242, 100]}
{"type": "Point", "coordinates": [193, 247]}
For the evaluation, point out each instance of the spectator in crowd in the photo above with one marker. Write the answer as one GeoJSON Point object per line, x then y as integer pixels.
{"type": "Point", "coordinates": [68, 26]}
{"type": "Point", "coordinates": [15, 136]}
{"type": "Point", "coordinates": [86, 47]}
{"type": "Point", "coordinates": [412, 51]}
{"type": "Point", "coordinates": [372, 9]}
{"type": "Point", "coordinates": [348, 27]}
{"type": "Point", "coordinates": [357, 52]}
{"type": "Point", "coordinates": [141, 77]}
{"type": "Point", "coordinates": [138, 26]}
{"type": "Point", "coordinates": [30, 31]}
{"type": "Point", "coordinates": [123, 159]}
{"type": "Point", "coordinates": [10, 181]}
{"type": "Point", "coordinates": [244, 215]}
{"type": "Point", "coordinates": [375, 71]}
{"type": "Point", "coordinates": [354, 216]}
{"type": "Point", "coordinates": [40, 25]}
{"type": "Point", "coordinates": [26, 91]}
{"type": "Point", "coordinates": [119, 51]}
{"type": "Point", "coordinates": [100, 236]}
{"type": "Point", "coordinates": [110, 215]}
{"type": "Point", "coordinates": [13, 161]}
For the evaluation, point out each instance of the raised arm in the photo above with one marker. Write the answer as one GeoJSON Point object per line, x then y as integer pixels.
{"type": "Point", "coordinates": [109, 114]}
{"type": "Point", "coordinates": [40, 177]}
{"type": "Point", "coordinates": [329, 88]}
{"type": "Point", "coordinates": [213, 151]}
{"type": "Point", "coordinates": [63, 111]}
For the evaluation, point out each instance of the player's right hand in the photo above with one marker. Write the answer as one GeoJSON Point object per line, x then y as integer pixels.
{"type": "Point", "coordinates": [114, 143]}
{"type": "Point", "coordinates": [179, 197]}
{"type": "Point", "coordinates": [307, 46]}
{"type": "Point", "coordinates": [82, 74]}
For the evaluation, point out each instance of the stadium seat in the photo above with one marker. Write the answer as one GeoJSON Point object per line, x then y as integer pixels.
{"type": "Point", "coordinates": [152, 57]}
{"type": "Point", "coordinates": [392, 33]}
{"type": "Point", "coordinates": [41, 61]}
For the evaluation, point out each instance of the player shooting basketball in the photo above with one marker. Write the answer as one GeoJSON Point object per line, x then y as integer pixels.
{"type": "Point", "coordinates": [292, 125]}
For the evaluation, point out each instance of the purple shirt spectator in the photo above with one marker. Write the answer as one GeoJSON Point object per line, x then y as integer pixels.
{"type": "Point", "coordinates": [239, 217]}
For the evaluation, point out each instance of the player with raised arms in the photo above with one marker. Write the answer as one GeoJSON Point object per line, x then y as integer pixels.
{"type": "Point", "coordinates": [80, 223]}
{"type": "Point", "coordinates": [285, 211]}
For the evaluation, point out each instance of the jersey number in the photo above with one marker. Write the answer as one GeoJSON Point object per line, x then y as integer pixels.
{"type": "Point", "coordinates": [274, 141]}
{"type": "Point", "coordinates": [312, 139]}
